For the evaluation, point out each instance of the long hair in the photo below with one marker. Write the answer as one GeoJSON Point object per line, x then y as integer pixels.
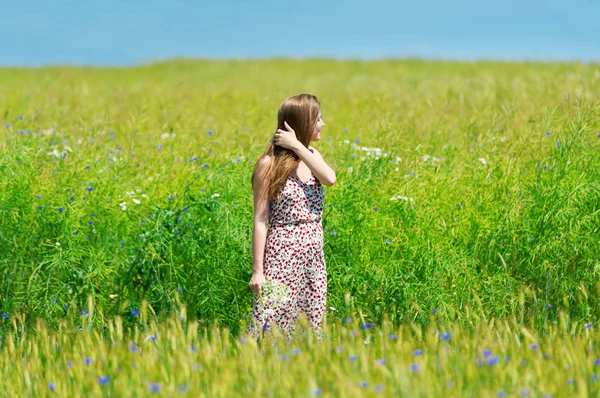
{"type": "Point", "coordinates": [301, 113]}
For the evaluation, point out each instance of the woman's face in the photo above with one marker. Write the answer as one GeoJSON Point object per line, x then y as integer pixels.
{"type": "Point", "coordinates": [317, 133]}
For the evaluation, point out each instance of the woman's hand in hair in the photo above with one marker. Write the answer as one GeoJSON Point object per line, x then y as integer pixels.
{"type": "Point", "coordinates": [286, 138]}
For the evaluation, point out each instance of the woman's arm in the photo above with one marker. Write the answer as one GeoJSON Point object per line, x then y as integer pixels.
{"type": "Point", "coordinates": [261, 222]}
{"type": "Point", "coordinates": [315, 163]}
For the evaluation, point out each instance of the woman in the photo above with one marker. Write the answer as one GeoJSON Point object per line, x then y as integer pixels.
{"type": "Point", "coordinates": [287, 238]}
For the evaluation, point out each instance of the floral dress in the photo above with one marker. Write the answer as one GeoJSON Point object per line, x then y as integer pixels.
{"type": "Point", "coordinates": [293, 260]}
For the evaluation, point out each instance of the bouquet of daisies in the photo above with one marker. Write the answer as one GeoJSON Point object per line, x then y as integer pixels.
{"type": "Point", "coordinates": [273, 295]}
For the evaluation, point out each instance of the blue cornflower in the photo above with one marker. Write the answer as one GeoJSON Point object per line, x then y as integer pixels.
{"type": "Point", "coordinates": [205, 165]}
{"type": "Point", "coordinates": [546, 356]}
{"type": "Point", "coordinates": [525, 393]}
{"type": "Point", "coordinates": [548, 306]}
{"type": "Point", "coordinates": [544, 167]}
{"type": "Point", "coordinates": [348, 320]}
{"type": "Point", "coordinates": [87, 361]}
{"type": "Point", "coordinates": [380, 362]}
{"type": "Point", "coordinates": [296, 351]}
{"type": "Point", "coordinates": [393, 336]}
{"type": "Point", "coordinates": [283, 357]}
{"type": "Point", "coordinates": [376, 208]}
{"type": "Point", "coordinates": [486, 353]}
{"type": "Point", "coordinates": [570, 381]}
{"type": "Point", "coordinates": [588, 326]}
{"type": "Point", "coordinates": [387, 241]}
{"type": "Point", "coordinates": [90, 189]}
{"type": "Point", "coordinates": [5, 316]}
{"type": "Point", "coordinates": [339, 349]}
{"type": "Point", "coordinates": [418, 352]}
{"type": "Point", "coordinates": [492, 360]}
{"type": "Point", "coordinates": [548, 133]}
{"type": "Point", "coordinates": [346, 130]}
{"type": "Point", "coordinates": [170, 197]}
{"type": "Point", "coordinates": [434, 311]}
{"type": "Point", "coordinates": [66, 306]}
{"type": "Point", "coordinates": [450, 384]}
{"type": "Point", "coordinates": [460, 206]}
{"type": "Point", "coordinates": [91, 223]}
{"type": "Point", "coordinates": [356, 141]}
{"type": "Point", "coordinates": [102, 380]}
{"type": "Point", "coordinates": [133, 347]}
{"type": "Point", "coordinates": [21, 118]}
{"type": "Point", "coordinates": [53, 300]}
{"type": "Point", "coordinates": [94, 215]}
{"type": "Point", "coordinates": [332, 233]}
{"type": "Point", "coordinates": [87, 167]}
{"type": "Point", "coordinates": [414, 367]}
{"type": "Point", "coordinates": [365, 326]}
{"type": "Point", "coordinates": [446, 336]}
{"type": "Point", "coordinates": [594, 377]}
{"type": "Point", "coordinates": [7, 126]}
{"type": "Point", "coordinates": [596, 362]}
{"type": "Point", "coordinates": [353, 333]}
{"type": "Point", "coordinates": [265, 326]}
{"type": "Point", "coordinates": [193, 348]}
{"type": "Point", "coordinates": [195, 159]}
{"type": "Point", "coordinates": [51, 386]}
{"type": "Point", "coordinates": [501, 394]}
{"type": "Point", "coordinates": [182, 388]}
{"type": "Point", "coordinates": [209, 132]}
{"type": "Point", "coordinates": [122, 243]}
{"type": "Point", "coordinates": [352, 357]}
{"type": "Point", "coordinates": [364, 384]}
{"type": "Point", "coordinates": [135, 312]}
{"type": "Point", "coordinates": [534, 347]}
{"type": "Point", "coordinates": [84, 313]}
{"type": "Point", "coordinates": [523, 362]}
{"type": "Point", "coordinates": [558, 144]}
{"type": "Point", "coordinates": [70, 364]}
{"type": "Point", "coordinates": [379, 388]}
{"type": "Point", "coordinates": [152, 338]}
{"type": "Point", "coordinates": [154, 387]}
{"type": "Point", "coordinates": [60, 209]}
{"type": "Point", "coordinates": [159, 147]}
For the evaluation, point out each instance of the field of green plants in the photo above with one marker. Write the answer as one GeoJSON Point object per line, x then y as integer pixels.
{"type": "Point", "coordinates": [462, 237]}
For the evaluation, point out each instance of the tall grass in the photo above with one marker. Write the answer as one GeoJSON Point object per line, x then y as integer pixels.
{"type": "Point", "coordinates": [177, 357]}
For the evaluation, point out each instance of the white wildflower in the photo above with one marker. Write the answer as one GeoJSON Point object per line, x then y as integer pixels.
{"type": "Point", "coordinates": [55, 153]}
{"type": "Point", "coordinates": [136, 201]}
{"type": "Point", "coordinates": [404, 198]}
{"type": "Point", "coordinates": [350, 169]}
{"type": "Point", "coordinates": [215, 195]}
{"type": "Point", "coordinates": [123, 206]}
{"type": "Point", "coordinates": [482, 160]}
{"type": "Point", "coordinates": [426, 158]}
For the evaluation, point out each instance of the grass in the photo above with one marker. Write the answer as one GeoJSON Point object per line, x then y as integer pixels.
{"type": "Point", "coordinates": [126, 185]}
{"type": "Point", "coordinates": [177, 357]}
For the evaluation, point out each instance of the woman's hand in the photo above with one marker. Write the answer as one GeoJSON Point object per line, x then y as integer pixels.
{"type": "Point", "coordinates": [286, 138]}
{"type": "Point", "coordinates": [257, 280]}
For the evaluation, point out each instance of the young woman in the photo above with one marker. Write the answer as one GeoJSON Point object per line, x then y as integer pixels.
{"type": "Point", "coordinates": [287, 238]}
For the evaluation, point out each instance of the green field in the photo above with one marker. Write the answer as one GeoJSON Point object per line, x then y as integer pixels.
{"type": "Point", "coordinates": [467, 189]}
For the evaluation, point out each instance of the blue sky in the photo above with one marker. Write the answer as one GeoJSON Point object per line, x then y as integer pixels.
{"type": "Point", "coordinates": [128, 32]}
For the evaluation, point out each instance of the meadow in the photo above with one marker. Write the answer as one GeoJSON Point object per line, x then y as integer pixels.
{"type": "Point", "coordinates": [467, 194]}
